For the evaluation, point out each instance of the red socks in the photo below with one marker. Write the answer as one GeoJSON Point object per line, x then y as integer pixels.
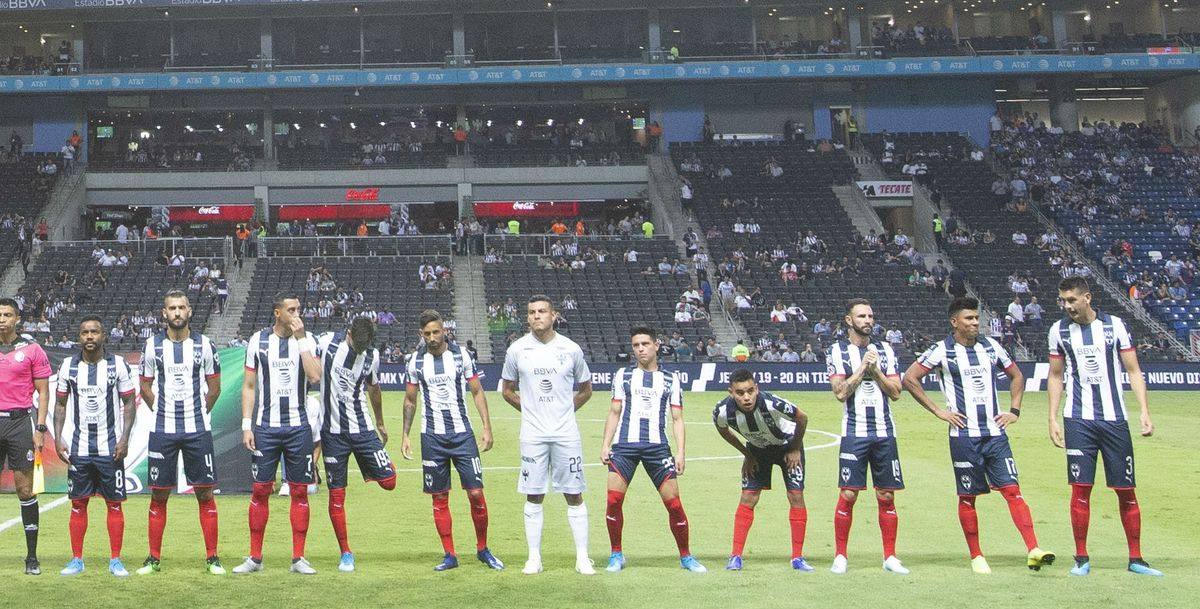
{"type": "Point", "coordinates": [337, 516]}
{"type": "Point", "coordinates": [843, 518]}
{"type": "Point", "coordinates": [1081, 512]}
{"type": "Point", "coordinates": [116, 527]}
{"type": "Point", "coordinates": [208, 525]}
{"type": "Point", "coordinates": [79, 525]}
{"type": "Point", "coordinates": [679, 525]}
{"type": "Point", "coordinates": [969, 520]}
{"type": "Point", "coordinates": [443, 522]}
{"type": "Point", "coordinates": [798, 518]}
{"type": "Point", "coordinates": [1019, 510]}
{"type": "Point", "coordinates": [299, 517]}
{"type": "Point", "coordinates": [158, 523]}
{"type": "Point", "coordinates": [742, 519]}
{"type": "Point", "coordinates": [260, 511]}
{"type": "Point", "coordinates": [479, 516]}
{"type": "Point", "coordinates": [615, 518]}
{"type": "Point", "coordinates": [888, 523]}
{"type": "Point", "coordinates": [1131, 519]}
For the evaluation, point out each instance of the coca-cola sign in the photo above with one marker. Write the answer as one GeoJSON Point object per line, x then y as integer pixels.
{"type": "Point", "coordinates": [212, 213]}
{"type": "Point", "coordinates": [526, 209]}
{"type": "Point", "coordinates": [362, 194]}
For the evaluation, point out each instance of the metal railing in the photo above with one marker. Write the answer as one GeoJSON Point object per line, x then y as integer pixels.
{"type": "Point", "coordinates": [191, 247]}
{"type": "Point", "coordinates": [413, 245]}
{"type": "Point", "coordinates": [539, 245]}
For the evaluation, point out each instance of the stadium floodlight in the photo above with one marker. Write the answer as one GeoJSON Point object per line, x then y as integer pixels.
{"type": "Point", "coordinates": [296, 126]}
{"type": "Point", "coordinates": [549, 122]}
{"type": "Point", "coordinates": [353, 126]}
{"type": "Point", "coordinates": [520, 123]}
{"type": "Point", "coordinates": [145, 135]}
{"type": "Point", "coordinates": [321, 125]}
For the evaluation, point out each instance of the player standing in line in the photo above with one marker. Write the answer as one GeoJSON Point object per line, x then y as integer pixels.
{"type": "Point", "coordinates": [641, 397]}
{"type": "Point", "coordinates": [1090, 348]}
{"type": "Point", "coordinates": [774, 431]}
{"type": "Point", "coordinates": [442, 374]}
{"type": "Point", "coordinates": [96, 392]}
{"type": "Point", "coordinates": [349, 380]}
{"type": "Point", "coordinates": [24, 368]}
{"type": "Point", "coordinates": [554, 382]}
{"type": "Point", "coordinates": [181, 380]}
{"type": "Point", "coordinates": [979, 448]}
{"type": "Point", "coordinates": [864, 378]}
{"type": "Point", "coordinates": [280, 361]}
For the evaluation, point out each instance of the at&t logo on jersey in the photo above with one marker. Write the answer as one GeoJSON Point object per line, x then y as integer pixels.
{"type": "Point", "coordinates": [546, 385]}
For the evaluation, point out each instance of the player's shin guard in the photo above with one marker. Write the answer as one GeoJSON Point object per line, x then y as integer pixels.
{"type": "Point", "coordinates": [443, 522]}
{"type": "Point", "coordinates": [29, 517]}
{"type": "Point", "coordinates": [158, 523]}
{"type": "Point", "coordinates": [679, 525]}
{"type": "Point", "coordinates": [479, 517]}
{"type": "Point", "coordinates": [743, 518]}
{"type": "Point", "coordinates": [534, 516]}
{"type": "Point", "coordinates": [337, 517]}
{"type": "Point", "coordinates": [299, 517]}
{"type": "Point", "coordinates": [260, 512]}
{"type": "Point", "coordinates": [208, 525]}
{"type": "Point", "coordinates": [1131, 519]}
{"type": "Point", "coordinates": [577, 517]}
{"type": "Point", "coordinates": [614, 517]}
{"type": "Point", "coordinates": [115, 519]}
{"type": "Point", "coordinates": [79, 525]}
{"type": "Point", "coordinates": [969, 519]}
{"type": "Point", "coordinates": [798, 519]}
{"type": "Point", "coordinates": [1019, 510]}
{"type": "Point", "coordinates": [1081, 513]}
{"type": "Point", "coordinates": [888, 524]}
{"type": "Point", "coordinates": [843, 519]}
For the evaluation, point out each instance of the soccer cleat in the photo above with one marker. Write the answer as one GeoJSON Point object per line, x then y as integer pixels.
{"type": "Point", "coordinates": [249, 566]}
{"type": "Point", "coordinates": [346, 564]}
{"type": "Point", "coordinates": [799, 564]}
{"type": "Point", "coordinates": [533, 566]}
{"type": "Point", "coordinates": [689, 563]}
{"type": "Point", "coordinates": [301, 566]}
{"type": "Point", "coordinates": [616, 562]}
{"type": "Point", "coordinates": [449, 561]}
{"type": "Point", "coordinates": [979, 565]}
{"type": "Point", "coordinates": [1140, 567]}
{"type": "Point", "coordinates": [150, 566]}
{"type": "Point", "coordinates": [117, 568]}
{"type": "Point", "coordinates": [1082, 567]}
{"type": "Point", "coordinates": [213, 566]}
{"type": "Point", "coordinates": [734, 564]}
{"type": "Point", "coordinates": [893, 564]}
{"type": "Point", "coordinates": [1039, 558]}
{"type": "Point", "coordinates": [486, 557]}
{"type": "Point", "coordinates": [75, 567]}
{"type": "Point", "coordinates": [585, 566]}
{"type": "Point", "coordinates": [33, 567]}
{"type": "Point", "coordinates": [839, 565]}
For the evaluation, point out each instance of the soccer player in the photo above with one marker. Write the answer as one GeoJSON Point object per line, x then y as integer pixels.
{"type": "Point", "coordinates": [349, 380]}
{"type": "Point", "coordinates": [96, 392]}
{"type": "Point", "coordinates": [441, 374]}
{"type": "Point", "coordinates": [1088, 350]}
{"type": "Point", "coordinates": [774, 432]}
{"type": "Point", "coordinates": [641, 398]}
{"type": "Point", "coordinates": [24, 368]}
{"type": "Point", "coordinates": [181, 380]}
{"type": "Point", "coordinates": [979, 448]}
{"type": "Point", "coordinates": [280, 360]}
{"type": "Point", "coordinates": [863, 376]}
{"type": "Point", "coordinates": [553, 381]}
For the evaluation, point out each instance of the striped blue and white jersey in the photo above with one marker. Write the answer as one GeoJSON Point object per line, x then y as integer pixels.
{"type": "Point", "coordinates": [771, 423]}
{"type": "Point", "coordinates": [968, 378]}
{"type": "Point", "coordinates": [646, 399]}
{"type": "Point", "coordinates": [345, 377]}
{"type": "Point", "coordinates": [443, 384]}
{"type": "Point", "coordinates": [179, 371]}
{"type": "Point", "coordinates": [94, 411]}
{"type": "Point", "coordinates": [281, 387]}
{"type": "Point", "coordinates": [867, 413]}
{"type": "Point", "coordinates": [1093, 366]}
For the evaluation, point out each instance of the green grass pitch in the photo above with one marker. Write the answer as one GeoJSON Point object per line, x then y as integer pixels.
{"type": "Point", "coordinates": [395, 544]}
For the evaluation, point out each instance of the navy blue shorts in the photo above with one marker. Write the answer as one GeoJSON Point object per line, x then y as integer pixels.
{"type": "Point", "coordinates": [438, 452]}
{"type": "Point", "coordinates": [198, 460]}
{"type": "Point", "coordinates": [1086, 439]}
{"type": "Point", "coordinates": [982, 464]}
{"type": "Point", "coordinates": [293, 444]}
{"type": "Point", "coordinates": [767, 458]}
{"type": "Point", "coordinates": [367, 448]}
{"type": "Point", "coordinates": [90, 476]}
{"type": "Point", "coordinates": [880, 453]}
{"type": "Point", "coordinates": [623, 460]}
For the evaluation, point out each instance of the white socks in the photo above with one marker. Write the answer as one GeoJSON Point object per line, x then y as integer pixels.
{"type": "Point", "coordinates": [534, 516]}
{"type": "Point", "coordinates": [577, 516]}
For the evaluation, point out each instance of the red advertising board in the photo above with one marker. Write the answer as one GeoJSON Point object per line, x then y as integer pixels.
{"type": "Point", "coordinates": [212, 213]}
{"type": "Point", "coordinates": [526, 209]}
{"type": "Point", "coordinates": [318, 213]}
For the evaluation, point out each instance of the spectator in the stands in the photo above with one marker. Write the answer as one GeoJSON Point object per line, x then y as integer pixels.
{"type": "Point", "coordinates": [1016, 312]}
{"type": "Point", "coordinates": [1033, 313]}
{"type": "Point", "coordinates": [822, 329]}
{"type": "Point", "coordinates": [900, 239]}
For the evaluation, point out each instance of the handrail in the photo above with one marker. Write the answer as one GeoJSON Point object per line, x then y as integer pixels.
{"type": "Point", "coordinates": [353, 245]}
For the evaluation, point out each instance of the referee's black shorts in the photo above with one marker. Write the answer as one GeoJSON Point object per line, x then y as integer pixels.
{"type": "Point", "coordinates": [16, 440]}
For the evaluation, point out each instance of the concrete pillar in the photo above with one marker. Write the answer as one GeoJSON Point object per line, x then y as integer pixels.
{"type": "Point", "coordinates": [854, 31]}
{"type": "Point", "coordinates": [1058, 26]}
{"type": "Point", "coordinates": [268, 132]}
{"type": "Point", "coordinates": [266, 40]}
{"type": "Point", "coordinates": [1064, 111]}
{"type": "Point", "coordinates": [262, 204]}
{"type": "Point", "coordinates": [460, 34]}
{"type": "Point", "coordinates": [465, 200]}
{"type": "Point", "coordinates": [655, 30]}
